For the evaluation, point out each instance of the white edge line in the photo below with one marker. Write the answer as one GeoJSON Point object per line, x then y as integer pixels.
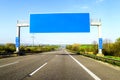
{"type": "Point", "coordinates": [9, 64]}
{"type": "Point", "coordinates": [87, 70]}
{"type": "Point", "coordinates": [37, 69]}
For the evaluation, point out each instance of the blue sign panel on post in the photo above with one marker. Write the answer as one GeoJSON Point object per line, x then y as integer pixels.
{"type": "Point", "coordinates": [59, 22]}
{"type": "Point", "coordinates": [100, 43]}
{"type": "Point", "coordinates": [17, 42]}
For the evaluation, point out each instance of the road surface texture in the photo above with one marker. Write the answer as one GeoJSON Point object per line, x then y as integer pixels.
{"type": "Point", "coordinates": [56, 65]}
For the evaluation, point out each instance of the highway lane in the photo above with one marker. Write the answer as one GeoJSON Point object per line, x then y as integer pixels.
{"type": "Point", "coordinates": [56, 65]}
{"type": "Point", "coordinates": [61, 67]}
{"type": "Point", "coordinates": [104, 70]}
{"type": "Point", "coordinates": [25, 66]}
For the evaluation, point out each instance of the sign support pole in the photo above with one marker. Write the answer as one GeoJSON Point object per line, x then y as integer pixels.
{"type": "Point", "coordinates": [19, 25]}
{"type": "Point", "coordinates": [100, 40]}
{"type": "Point", "coordinates": [18, 39]}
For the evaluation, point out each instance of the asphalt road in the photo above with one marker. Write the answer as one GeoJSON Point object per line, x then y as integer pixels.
{"type": "Point", "coordinates": [56, 65]}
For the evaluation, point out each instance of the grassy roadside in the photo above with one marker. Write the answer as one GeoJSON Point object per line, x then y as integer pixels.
{"type": "Point", "coordinates": [108, 59]}
{"type": "Point", "coordinates": [8, 50]}
{"type": "Point", "coordinates": [112, 60]}
{"type": "Point", "coordinates": [112, 57]}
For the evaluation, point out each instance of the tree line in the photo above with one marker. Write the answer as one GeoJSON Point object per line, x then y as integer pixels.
{"type": "Point", "coordinates": [109, 48]}
{"type": "Point", "coordinates": [9, 48]}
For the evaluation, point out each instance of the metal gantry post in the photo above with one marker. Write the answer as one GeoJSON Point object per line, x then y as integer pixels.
{"type": "Point", "coordinates": [19, 25]}
{"type": "Point", "coordinates": [18, 39]}
{"type": "Point", "coordinates": [98, 24]}
{"type": "Point", "coordinates": [99, 40]}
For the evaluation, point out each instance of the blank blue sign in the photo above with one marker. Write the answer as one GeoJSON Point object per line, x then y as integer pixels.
{"type": "Point", "coordinates": [59, 22]}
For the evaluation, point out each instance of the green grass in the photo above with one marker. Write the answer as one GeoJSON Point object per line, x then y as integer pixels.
{"type": "Point", "coordinates": [86, 46]}
{"type": "Point", "coordinates": [112, 57]}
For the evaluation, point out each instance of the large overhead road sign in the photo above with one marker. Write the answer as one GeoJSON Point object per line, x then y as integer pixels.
{"type": "Point", "coordinates": [59, 23]}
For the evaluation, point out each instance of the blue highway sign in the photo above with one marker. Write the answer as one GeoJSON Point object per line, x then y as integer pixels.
{"type": "Point", "coordinates": [59, 23]}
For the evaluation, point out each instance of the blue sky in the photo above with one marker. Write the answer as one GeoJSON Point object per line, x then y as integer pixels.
{"type": "Point", "coordinates": [12, 10]}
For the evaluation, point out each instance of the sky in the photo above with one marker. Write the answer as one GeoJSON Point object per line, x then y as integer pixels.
{"type": "Point", "coordinates": [12, 10]}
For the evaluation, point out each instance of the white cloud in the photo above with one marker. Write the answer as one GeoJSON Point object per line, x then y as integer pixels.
{"type": "Point", "coordinates": [84, 7]}
{"type": "Point", "coordinates": [80, 7]}
{"type": "Point", "coordinates": [99, 1]}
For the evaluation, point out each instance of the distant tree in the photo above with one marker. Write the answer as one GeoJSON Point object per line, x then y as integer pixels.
{"type": "Point", "coordinates": [69, 47]}
{"type": "Point", "coordinates": [95, 47]}
{"type": "Point", "coordinates": [9, 47]}
{"type": "Point", "coordinates": [76, 47]}
{"type": "Point", "coordinates": [2, 47]}
{"type": "Point", "coordinates": [117, 47]}
{"type": "Point", "coordinates": [108, 47]}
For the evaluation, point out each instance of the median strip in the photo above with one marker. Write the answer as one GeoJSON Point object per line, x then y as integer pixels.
{"type": "Point", "coordinates": [9, 64]}
{"type": "Point", "coordinates": [87, 70]}
{"type": "Point", "coordinates": [37, 69]}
